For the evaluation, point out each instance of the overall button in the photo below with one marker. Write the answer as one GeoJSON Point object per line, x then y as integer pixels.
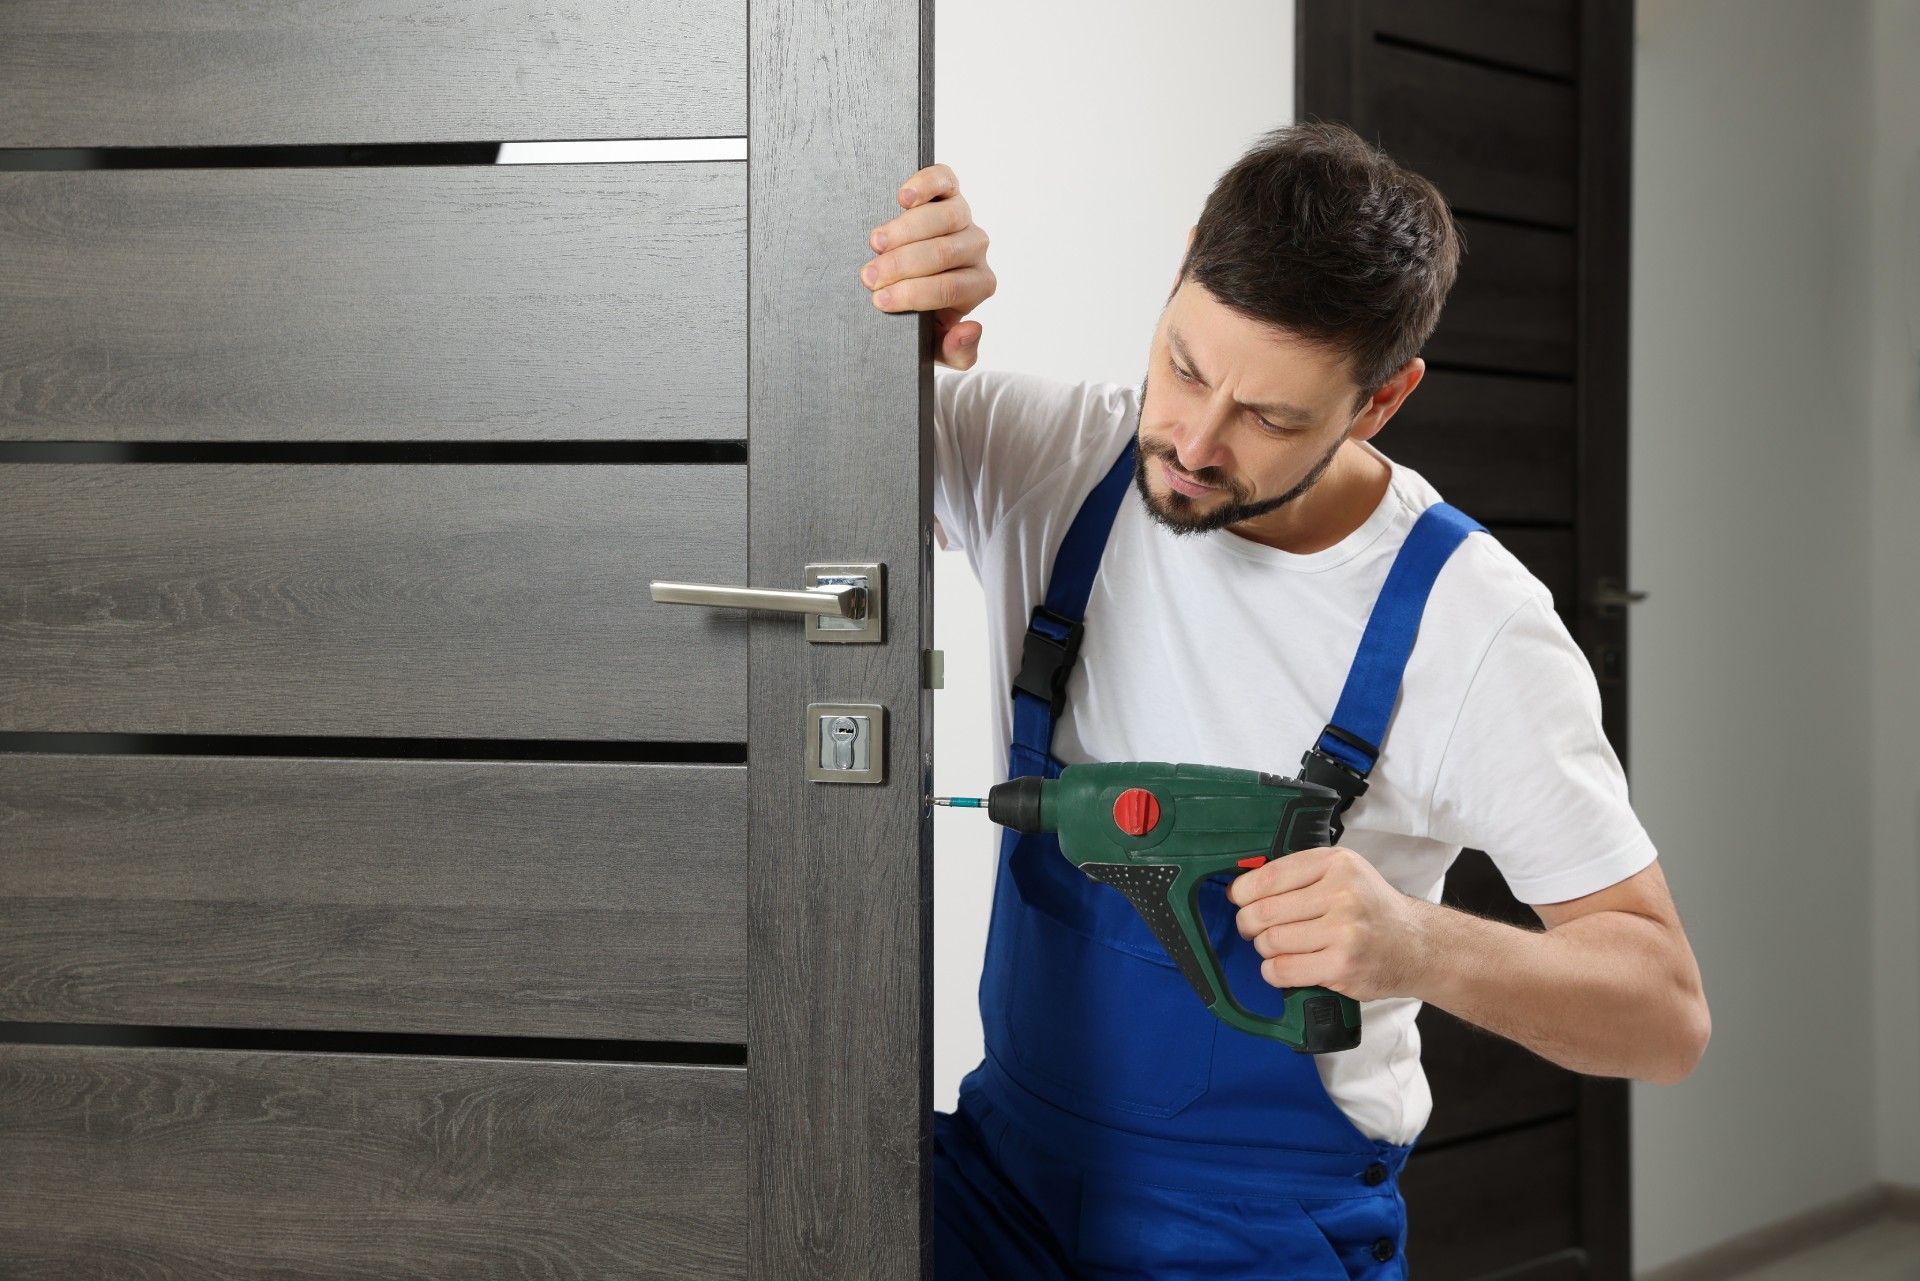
{"type": "Point", "coordinates": [1383, 1249]}
{"type": "Point", "coordinates": [1376, 1175]}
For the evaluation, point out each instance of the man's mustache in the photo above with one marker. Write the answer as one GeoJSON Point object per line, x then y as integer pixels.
{"type": "Point", "coordinates": [1155, 451]}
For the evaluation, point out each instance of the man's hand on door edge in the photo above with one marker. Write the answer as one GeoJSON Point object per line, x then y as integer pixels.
{"type": "Point", "coordinates": [933, 257]}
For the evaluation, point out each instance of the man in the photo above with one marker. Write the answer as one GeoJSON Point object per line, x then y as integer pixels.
{"type": "Point", "coordinates": [1115, 1127]}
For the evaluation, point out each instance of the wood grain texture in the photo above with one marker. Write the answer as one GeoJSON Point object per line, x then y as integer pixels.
{"type": "Point", "coordinates": [1536, 34]}
{"type": "Point", "coordinates": [1491, 1204]}
{"type": "Point", "coordinates": [193, 73]}
{"type": "Point", "coordinates": [1475, 885]}
{"type": "Point", "coordinates": [1605, 216]}
{"type": "Point", "coordinates": [840, 1002]}
{"type": "Point", "coordinates": [1512, 306]}
{"type": "Point", "coordinates": [1570, 1264]}
{"type": "Point", "coordinates": [1601, 407]}
{"type": "Point", "coordinates": [228, 1165]}
{"type": "Point", "coordinates": [1498, 448]}
{"type": "Point", "coordinates": [1494, 142]}
{"type": "Point", "coordinates": [1329, 42]}
{"type": "Point", "coordinates": [1492, 1082]}
{"type": "Point", "coordinates": [494, 601]}
{"type": "Point", "coordinates": [1483, 1082]}
{"type": "Point", "coordinates": [507, 898]}
{"type": "Point", "coordinates": [521, 302]}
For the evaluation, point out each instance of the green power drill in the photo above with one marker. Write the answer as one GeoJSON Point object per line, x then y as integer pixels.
{"type": "Point", "coordinates": [1155, 831]}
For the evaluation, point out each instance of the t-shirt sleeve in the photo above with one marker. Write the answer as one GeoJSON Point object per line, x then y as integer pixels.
{"type": "Point", "coordinates": [998, 435]}
{"type": "Point", "coordinates": [1528, 775]}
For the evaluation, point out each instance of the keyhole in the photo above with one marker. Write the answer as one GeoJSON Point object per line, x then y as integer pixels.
{"type": "Point", "coordinates": [843, 732]}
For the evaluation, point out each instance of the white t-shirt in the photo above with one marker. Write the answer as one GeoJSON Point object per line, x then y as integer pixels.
{"type": "Point", "coordinates": [1219, 650]}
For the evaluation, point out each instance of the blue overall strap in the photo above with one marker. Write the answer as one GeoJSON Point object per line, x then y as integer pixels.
{"type": "Point", "coordinates": [1054, 629]}
{"type": "Point", "coordinates": [1346, 750]}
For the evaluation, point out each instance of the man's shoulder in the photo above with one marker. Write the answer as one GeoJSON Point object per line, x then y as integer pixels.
{"type": "Point", "coordinates": [1500, 621]}
{"type": "Point", "coordinates": [1481, 587]}
{"type": "Point", "coordinates": [1491, 572]}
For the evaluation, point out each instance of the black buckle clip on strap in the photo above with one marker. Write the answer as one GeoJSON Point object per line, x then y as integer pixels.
{"type": "Point", "coordinates": [1045, 662]}
{"type": "Point", "coordinates": [1320, 767]}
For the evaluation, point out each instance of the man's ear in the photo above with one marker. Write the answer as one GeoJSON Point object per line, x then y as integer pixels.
{"type": "Point", "coordinates": [1387, 401]}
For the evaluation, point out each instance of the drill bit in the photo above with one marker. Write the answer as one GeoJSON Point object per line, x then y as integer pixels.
{"type": "Point", "coordinates": [962, 802]}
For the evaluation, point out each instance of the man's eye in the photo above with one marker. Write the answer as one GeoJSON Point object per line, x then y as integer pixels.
{"type": "Point", "coordinates": [1182, 374]}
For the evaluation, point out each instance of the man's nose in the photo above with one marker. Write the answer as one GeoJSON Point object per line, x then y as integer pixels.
{"type": "Point", "coordinates": [1199, 442]}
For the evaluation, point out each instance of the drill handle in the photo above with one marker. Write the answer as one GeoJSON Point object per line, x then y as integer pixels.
{"type": "Point", "coordinates": [1316, 1020]}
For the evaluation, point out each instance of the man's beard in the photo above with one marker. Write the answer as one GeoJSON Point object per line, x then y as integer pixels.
{"type": "Point", "coordinates": [1183, 515]}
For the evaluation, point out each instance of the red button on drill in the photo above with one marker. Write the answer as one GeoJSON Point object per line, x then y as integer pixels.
{"type": "Point", "coordinates": [1136, 810]}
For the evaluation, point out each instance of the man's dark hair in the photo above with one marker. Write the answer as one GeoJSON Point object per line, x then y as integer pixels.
{"type": "Point", "coordinates": [1318, 232]}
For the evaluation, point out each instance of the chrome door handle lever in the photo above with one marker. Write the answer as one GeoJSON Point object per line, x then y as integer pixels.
{"type": "Point", "coordinates": [842, 602]}
{"type": "Point", "coordinates": [839, 600]}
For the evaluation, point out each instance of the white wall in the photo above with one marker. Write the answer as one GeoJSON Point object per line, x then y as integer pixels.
{"type": "Point", "coordinates": [1893, 247]}
{"type": "Point", "coordinates": [1086, 135]}
{"type": "Point", "coordinates": [1775, 452]}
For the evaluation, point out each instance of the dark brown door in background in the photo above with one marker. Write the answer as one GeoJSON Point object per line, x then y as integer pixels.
{"type": "Point", "coordinates": [388, 885]}
{"type": "Point", "coordinates": [1519, 111]}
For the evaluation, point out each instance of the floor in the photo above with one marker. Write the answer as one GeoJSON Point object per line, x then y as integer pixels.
{"type": "Point", "coordinates": [1888, 1250]}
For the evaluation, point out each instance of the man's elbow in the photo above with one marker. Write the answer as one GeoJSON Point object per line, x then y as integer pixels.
{"type": "Point", "coordinates": [1694, 1024]}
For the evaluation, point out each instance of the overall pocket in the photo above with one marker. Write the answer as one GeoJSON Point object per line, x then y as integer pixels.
{"type": "Point", "coordinates": [1101, 1025]}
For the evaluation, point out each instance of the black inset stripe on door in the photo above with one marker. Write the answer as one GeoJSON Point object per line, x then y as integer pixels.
{"type": "Point", "coordinates": [652, 452]}
{"type": "Point", "coordinates": [282, 157]}
{"type": "Point", "coordinates": [327, 1042]}
{"type": "Point", "coordinates": [375, 747]}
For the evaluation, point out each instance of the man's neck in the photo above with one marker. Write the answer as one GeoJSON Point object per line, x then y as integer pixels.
{"type": "Point", "coordinates": [1340, 503]}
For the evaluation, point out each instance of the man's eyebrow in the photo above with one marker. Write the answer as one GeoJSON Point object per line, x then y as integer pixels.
{"type": "Point", "coordinates": [1279, 410]}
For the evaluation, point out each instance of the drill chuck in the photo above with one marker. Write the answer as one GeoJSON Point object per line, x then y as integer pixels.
{"type": "Point", "coordinates": [1016, 803]}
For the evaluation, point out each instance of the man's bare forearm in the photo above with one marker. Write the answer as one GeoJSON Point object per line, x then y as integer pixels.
{"type": "Point", "coordinates": [1602, 994]}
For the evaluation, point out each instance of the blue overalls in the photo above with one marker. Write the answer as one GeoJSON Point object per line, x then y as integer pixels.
{"type": "Point", "coordinates": [1116, 1128]}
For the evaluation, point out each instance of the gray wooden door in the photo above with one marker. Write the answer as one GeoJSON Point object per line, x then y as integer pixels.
{"type": "Point", "coordinates": [389, 886]}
